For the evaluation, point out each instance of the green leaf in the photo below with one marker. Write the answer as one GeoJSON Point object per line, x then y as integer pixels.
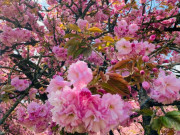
{"type": "Point", "coordinates": [173, 113]}
{"type": "Point", "coordinates": [4, 97]}
{"type": "Point", "coordinates": [76, 47]}
{"type": "Point", "coordinates": [74, 27]}
{"type": "Point", "coordinates": [72, 41]}
{"type": "Point", "coordinates": [145, 112]}
{"type": "Point", "coordinates": [71, 35]}
{"type": "Point", "coordinates": [156, 125]}
{"type": "Point", "coordinates": [108, 39]}
{"type": "Point", "coordinates": [73, 49]}
{"type": "Point", "coordinates": [95, 29]}
{"type": "Point", "coordinates": [86, 51]}
{"type": "Point", "coordinates": [172, 120]}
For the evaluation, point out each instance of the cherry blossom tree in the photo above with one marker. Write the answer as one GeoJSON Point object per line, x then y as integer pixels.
{"type": "Point", "coordinates": [92, 67]}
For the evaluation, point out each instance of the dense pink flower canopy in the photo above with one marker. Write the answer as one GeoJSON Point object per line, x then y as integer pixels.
{"type": "Point", "coordinates": [92, 67]}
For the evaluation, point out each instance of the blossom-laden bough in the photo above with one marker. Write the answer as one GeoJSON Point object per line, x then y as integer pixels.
{"type": "Point", "coordinates": [89, 67]}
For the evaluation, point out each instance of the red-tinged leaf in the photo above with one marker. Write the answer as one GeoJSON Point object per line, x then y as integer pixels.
{"type": "Point", "coordinates": [103, 77]}
{"type": "Point", "coordinates": [150, 65]}
{"type": "Point", "coordinates": [120, 64]}
{"type": "Point", "coordinates": [116, 84]}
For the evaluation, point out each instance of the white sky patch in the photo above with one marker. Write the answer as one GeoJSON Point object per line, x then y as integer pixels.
{"type": "Point", "coordinates": [43, 3]}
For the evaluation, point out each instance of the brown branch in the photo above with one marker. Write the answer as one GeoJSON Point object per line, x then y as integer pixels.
{"type": "Point", "coordinates": [14, 106]}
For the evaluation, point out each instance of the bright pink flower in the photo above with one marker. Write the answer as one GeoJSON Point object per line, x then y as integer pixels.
{"type": "Point", "coordinates": [79, 74]}
{"type": "Point", "coordinates": [123, 47]}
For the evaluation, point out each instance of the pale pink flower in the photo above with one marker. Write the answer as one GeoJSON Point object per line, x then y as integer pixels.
{"type": "Point", "coordinates": [148, 47]}
{"type": "Point", "coordinates": [33, 107]}
{"type": "Point", "coordinates": [142, 1]}
{"type": "Point", "coordinates": [177, 40]}
{"type": "Point", "coordinates": [93, 122]}
{"type": "Point", "coordinates": [60, 53]}
{"type": "Point", "coordinates": [115, 108]}
{"type": "Point", "coordinates": [82, 24]}
{"type": "Point", "coordinates": [133, 28]}
{"type": "Point", "coordinates": [57, 84]}
{"type": "Point", "coordinates": [21, 113]}
{"type": "Point", "coordinates": [123, 47]}
{"type": "Point", "coordinates": [166, 88]}
{"type": "Point", "coordinates": [138, 47]}
{"type": "Point", "coordinates": [79, 74]}
{"type": "Point", "coordinates": [122, 24]}
{"type": "Point", "coordinates": [20, 84]}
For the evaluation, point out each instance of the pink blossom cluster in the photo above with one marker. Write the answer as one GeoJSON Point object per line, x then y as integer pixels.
{"type": "Point", "coordinates": [80, 111]}
{"type": "Point", "coordinates": [20, 84]}
{"type": "Point", "coordinates": [51, 2]}
{"type": "Point", "coordinates": [14, 11]}
{"type": "Point", "coordinates": [95, 59]}
{"type": "Point", "coordinates": [60, 53]}
{"type": "Point", "coordinates": [175, 57]}
{"type": "Point", "coordinates": [123, 28]}
{"type": "Point", "coordinates": [37, 116]}
{"type": "Point", "coordinates": [11, 36]}
{"type": "Point", "coordinates": [165, 88]}
{"type": "Point", "coordinates": [125, 47]}
{"type": "Point", "coordinates": [12, 125]}
{"type": "Point", "coordinates": [177, 39]}
{"type": "Point", "coordinates": [77, 110]}
{"type": "Point", "coordinates": [82, 24]}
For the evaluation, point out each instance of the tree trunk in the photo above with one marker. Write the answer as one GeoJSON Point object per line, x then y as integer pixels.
{"type": "Point", "coordinates": [146, 119]}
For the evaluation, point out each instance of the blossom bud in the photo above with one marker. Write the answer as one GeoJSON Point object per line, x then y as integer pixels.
{"type": "Point", "coordinates": [142, 72]}
{"type": "Point", "coordinates": [113, 62]}
{"type": "Point", "coordinates": [154, 70]}
{"type": "Point", "coordinates": [145, 58]}
{"type": "Point", "coordinates": [152, 37]}
{"type": "Point", "coordinates": [145, 85]}
{"type": "Point", "coordinates": [102, 91]}
{"type": "Point", "coordinates": [112, 49]}
{"type": "Point", "coordinates": [166, 61]}
{"type": "Point", "coordinates": [133, 45]}
{"type": "Point", "coordinates": [157, 46]}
